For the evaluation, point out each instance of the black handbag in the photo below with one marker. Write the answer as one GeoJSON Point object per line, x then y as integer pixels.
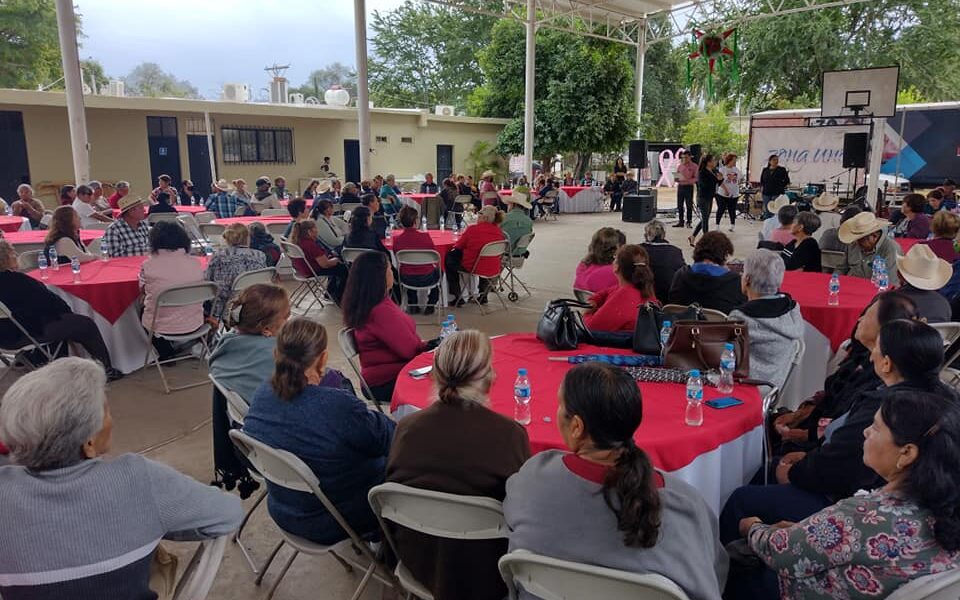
{"type": "Point", "coordinates": [650, 318]}
{"type": "Point", "coordinates": [561, 327]}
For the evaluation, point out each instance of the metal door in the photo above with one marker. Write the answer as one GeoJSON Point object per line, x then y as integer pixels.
{"type": "Point", "coordinates": [164, 149]}
{"type": "Point", "coordinates": [351, 160]}
{"type": "Point", "coordinates": [444, 161]}
{"type": "Point", "coordinates": [14, 168]}
{"type": "Point", "coordinates": [198, 154]}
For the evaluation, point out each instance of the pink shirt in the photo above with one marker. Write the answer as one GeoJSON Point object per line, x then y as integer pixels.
{"type": "Point", "coordinates": [594, 278]}
{"type": "Point", "coordinates": [687, 173]}
{"type": "Point", "coordinates": [386, 343]}
{"type": "Point", "coordinates": [163, 270]}
{"type": "Point", "coordinates": [781, 235]}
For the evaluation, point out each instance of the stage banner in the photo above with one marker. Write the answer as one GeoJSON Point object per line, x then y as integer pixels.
{"type": "Point", "coordinates": [810, 154]}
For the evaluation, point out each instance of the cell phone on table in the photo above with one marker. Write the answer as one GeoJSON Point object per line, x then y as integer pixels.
{"type": "Point", "coordinates": [725, 402]}
{"type": "Point", "coordinates": [421, 371]}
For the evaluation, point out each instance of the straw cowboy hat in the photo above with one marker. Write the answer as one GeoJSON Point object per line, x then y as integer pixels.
{"type": "Point", "coordinates": [825, 202]}
{"type": "Point", "coordinates": [128, 202]}
{"type": "Point", "coordinates": [779, 202]}
{"type": "Point", "coordinates": [222, 185]}
{"type": "Point", "coordinates": [519, 199]}
{"type": "Point", "coordinates": [486, 174]}
{"type": "Point", "coordinates": [324, 186]}
{"type": "Point", "coordinates": [860, 226]}
{"type": "Point", "coordinates": [922, 269]}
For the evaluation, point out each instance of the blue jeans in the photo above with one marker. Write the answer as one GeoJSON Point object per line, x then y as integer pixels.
{"type": "Point", "coordinates": [771, 503]}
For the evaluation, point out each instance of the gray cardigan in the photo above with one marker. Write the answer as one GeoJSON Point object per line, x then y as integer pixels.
{"type": "Point", "coordinates": [554, 512]}
{"type": "Point", "coordinates": [773, 324]}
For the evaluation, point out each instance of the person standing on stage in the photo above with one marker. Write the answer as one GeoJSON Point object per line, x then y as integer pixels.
{"type": "Point", "coordinates": [774, 180]}
{"type": "Point", "coordinates": [686, 179]}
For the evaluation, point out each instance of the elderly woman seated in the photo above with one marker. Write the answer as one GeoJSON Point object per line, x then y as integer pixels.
{"type": "Point", "coordinates": [235, 259]}
{"type": "Point", "coordinates": [665, 258]}
{"type": "Point", "coordinates": [343, 442]}
{"type": "Point", "coordinates": [44, 314]}
{"type": "Point", "coordinates": [945, 225]}
{"type": "Point", "coordinates": [491, 449]}
{"type": "Point", "coordinates": [773, 318]}
{"type": "Point", "coordinates": [603, 503]}
{"type": "Point", "coordinates": [708, 281]}
{"type": "Point", "coordinates": [803, 253]}
{"type": "Point", "coordinates": [870, 545]}
{"type": "Point", "coordinates": [75, 524]}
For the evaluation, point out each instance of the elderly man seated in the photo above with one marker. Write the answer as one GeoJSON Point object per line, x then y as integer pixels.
{"type": "Point", "coordinates": [865, 238]}
{"type": "Point", "coordinates": [75, 524]}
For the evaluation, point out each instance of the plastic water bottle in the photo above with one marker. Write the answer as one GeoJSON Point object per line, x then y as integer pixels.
{"type": "Point", "coordinates": [456, 231]}
{"type": "Point", "coordinates": [453, 324]}
{"type": "Point", "coordinates": [883, 280]}
{"type": "Point", "coordinates": [694, 414]}
{"type": "Point", "coordinates": [522, 396]}
{"type": "Point", "coordinates": [834, 298]}
{"type": "Point", "coordinates": [875, 270]}
{"type": "Point", "coordinates": [104, 251]}
{"type": "Point", "coordinates": [445, 330]}
{"type": "Point", "coordinates": [9, 210]}
{"type": "Point", "coordinates": [442, 225]}
{"type": "Point", "coordinates": [42, 265]}
{"type": "Point", "coordinates": [392, 224]}
{"type": "Point", "coordinates": [53, 258]}
{"type": "Point", "coordinates": [208, 250]}
{"type": "Point", "coordinates": [728, 364]}
{"type": "Point", "coordinates": [665, 337]}
{"type": "Point", "coordinates": [75, 267]}
{"type": "Point", "coordinates": [388, 234]}
{"type": "Point", "coordinates": [423, 224]}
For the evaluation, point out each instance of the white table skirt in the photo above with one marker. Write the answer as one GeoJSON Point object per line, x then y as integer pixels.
{"type": "Point", "coordinates": [126, 340]}
{"type": "Point", "coordinates": [810, 374]}
{"type": "Point", "coordinates": [584, 201]}
{"type": "Point", "coordinates": [25, 225]}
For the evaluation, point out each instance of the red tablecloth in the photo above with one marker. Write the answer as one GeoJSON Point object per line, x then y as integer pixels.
{"type": "Point", "coordinates": [247, 220]}
{"type": "Point", "coordinates": [573, 190]}
{"type": "Point", "coordinates": [663, 434]}
{"type": "Point", "coordinates": [418, 196]}
{"type": "Point", "coordinates": [443, 240]}
{"type": "Point", "coordinates": [811, 292]}
{"type": "Point", "coordinates": [9, 224]}
{"type": "Point", "coordinates": [180, 208]}
{"type": "Point", "coordinates": [906, 243]}
{"type": "Point", "coordinates": [108, 287]}
{"type": "Point", "coordinates": [36, 236]}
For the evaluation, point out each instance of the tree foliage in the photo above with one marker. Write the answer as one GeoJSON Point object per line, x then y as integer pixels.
{"type": "Point", "coordinates": [29, 46]}
{"type": "Point", "coordinates": [583, 93]}
{"type": "Point", "coordinates": [424, 55]}
{"type": "Point", "coordinates": [483, 157]}
{"type": "Point", "coordinates": [665, 103]}
{"type": "Point", "coordinates": [322, 79]}
{"type": "Point", "coordinates": [714, 132]}
{"type": "Point", "coordinates": [148, 79]}
{"type": "Point", "coordinates": [94, 75]}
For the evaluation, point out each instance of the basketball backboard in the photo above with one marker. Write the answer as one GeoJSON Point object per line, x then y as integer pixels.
{"type": "Point", "coordinates": [860, 92]}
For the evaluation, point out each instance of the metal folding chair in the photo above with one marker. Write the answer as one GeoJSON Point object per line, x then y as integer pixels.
{"type": "Point", "coordinates": [549, 203]}
{"type": "Point", "coordinates": [939, 586]}
{"type": "Point", "coordinates": [582, 295]}
{"type": "Point", "coordinates": [348, 346]}
{"type": "Point", "coordinates": [830, 260]}
{"type": "Point", "coordinates": [498, 249]}
{"type": "Point", "coordinates": [309, 286]}
{"type": "Point", "coordinates": [274, 212]}
{"type": "Point", "coordinates": [554, 579]}
{"type": "Point", "coordinates": [437, 514]}
{"type": "Point", "coordinates": [413, 258]}
{"type": "Point", "coordinates": [277, 230]}
{"type": "Point", "coordinates": [513, 261]}
{"type": "Point", "coordinates": [190, 294]}
{"type": "Point", "coordinates": [23, 247]}
{"type": "Point", "coordinates": [351, 254]}
{"type": "Point", "coordinates": [156, 217]}
{"type": "Point", "coordinates": [201, 571]}
{"type": "Point", "coordinates": [284, 469]}
{"type": "Point", "coordinates": [16, 351]}
{"type": "Point", "coordinates": [205, 217]}
{"type": "Point", "coordinates": [213, 233]}
{"type": "Point", "coordinates": [28, 261]}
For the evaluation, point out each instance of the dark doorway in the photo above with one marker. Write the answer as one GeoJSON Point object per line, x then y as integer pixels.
{"type": "Point", "coordinates": [14, 168]}
{"type": "Point", "coordinates": [164, 149]}
{"type": "Point", "coordinates": [198, 154]}
{"type": "Point", "coordinates": [444, 161]}
{"type": "Point", "coordinates": [351, 160]}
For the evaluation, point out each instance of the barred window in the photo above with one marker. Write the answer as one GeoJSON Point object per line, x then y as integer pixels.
{"type": "Point", "coordinates": [257, 145]}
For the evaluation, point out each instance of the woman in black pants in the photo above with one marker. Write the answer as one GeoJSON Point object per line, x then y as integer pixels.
{"type": "Point", "coordinates": [729, 191]}
{"type": "Point", "coordinates": [707, 180]}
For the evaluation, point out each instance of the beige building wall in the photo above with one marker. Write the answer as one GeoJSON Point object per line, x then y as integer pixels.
{"type": "Point", "coordinates": [117, 131]}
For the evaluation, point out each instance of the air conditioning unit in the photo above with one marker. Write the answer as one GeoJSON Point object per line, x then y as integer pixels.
{"type": "Point", "coordinates": [236, 92]}
{"type": "Point", "coordinates": [114, 88]}
{"type": "Point", "coordinates": [296, 98]}
{"type": "Point", "coordinates": [444, 110]}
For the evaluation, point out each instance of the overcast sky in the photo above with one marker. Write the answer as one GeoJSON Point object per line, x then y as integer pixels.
{"type": "Point", "coordinates": [212, 42]}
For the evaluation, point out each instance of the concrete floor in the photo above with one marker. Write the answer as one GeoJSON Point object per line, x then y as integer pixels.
{"type": "Point", "coordinates": [175, 429]}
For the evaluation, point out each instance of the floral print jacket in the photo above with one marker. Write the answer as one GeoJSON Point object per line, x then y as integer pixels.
{"type": "Point", "coordinates": [861, 547]}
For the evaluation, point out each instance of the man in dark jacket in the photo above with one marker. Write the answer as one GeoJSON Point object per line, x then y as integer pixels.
{"type": "Point", "coordinates": [774, 180]}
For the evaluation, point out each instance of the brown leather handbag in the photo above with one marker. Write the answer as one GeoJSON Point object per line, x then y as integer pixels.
{"type": "Point", "coordinates": [699, 344]}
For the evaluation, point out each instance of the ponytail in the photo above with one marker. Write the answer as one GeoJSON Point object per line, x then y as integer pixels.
{"type": "Point", "coordinates": [299, 345]}
{"type": "Point", "coordinates": [633, 263]}
{"type": "Point", "coordinates": [631, 493]}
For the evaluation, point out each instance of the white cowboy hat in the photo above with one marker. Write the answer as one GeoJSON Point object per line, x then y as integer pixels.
{"type": "Point", "coordinates": [860, 226]}
{"type": "Point", "coordinates": [826, 202]}
{"type": "Point", "coordinates": [777, 203]}
{"type": "Point", "coordinates": [922, 269]}
{"type": "Point", "coordinates": [222, 185]}
{"type": "Point", "coordinates": [518, 199]}
{"type": "Point", "coordinates": [128, 202]}
{"type": "Point", "coordinates": [324, 186]}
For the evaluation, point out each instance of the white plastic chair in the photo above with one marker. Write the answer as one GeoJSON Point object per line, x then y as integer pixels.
{"type": "Point", "coordinates": [939, 586]}
{"type": "Point", "coordinates": [201, 571]}
{"type": "Point", "coordinates": [277, 230]}
{"type": "Point", "coordinates": [555, 579]}
{"type": "Point", "coordinates": [348, 346]}
{"type": "Point", "coordinates": [437, 514]}
{"type": "Point", "coordinates": [12, 352]}
{"type": "Point", "coordinates": [309, 286]}
{"type": "Point", "coordinates": [284, 469]}
{"type": "Point", "coordinates": [190, 294]}
{"type": "Point", "coordinates": [498, 249]}
{"type": "Point", "coordinates": [275, 212]}
{"type": "Point", "coordinates": [412, 258]}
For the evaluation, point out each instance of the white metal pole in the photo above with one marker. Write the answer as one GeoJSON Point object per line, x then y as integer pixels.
{"type": "Point", "coordinates": [363, 88]}
{"type": "Point", "coordinates": [876, 157]}
{"type": "Point", "coordinates": [903, 127]}
{"type": "Point", "coordinates": [528, 97]}
{"type": "Point", "coordinates": [70, 57]}
{"type": "Point", "coordinates": [213, 158]}
{"type": "Point", "coordinates": [638, 78]}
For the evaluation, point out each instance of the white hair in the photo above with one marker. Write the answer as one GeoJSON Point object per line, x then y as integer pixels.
{"type": "Point", "coordinates": [48, 415]}
{"type": "Point", "coordinates": [655, 231]}
{"type": "Point", "coordinates": [764, 271]}
{"type": "Point", "coordinates": [24, 186]}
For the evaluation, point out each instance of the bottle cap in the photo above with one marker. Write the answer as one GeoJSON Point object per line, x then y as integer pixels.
{"type": "Point", "coordinates": [450, 318]}
{"type": "Point", "coordinates": [668, 324]}
{"type": "Point", "coordinates": [695, 373]}
{"type": "Point", "coordinates": [728, 346]}
{"type": "Point", "coordinates": [522, 372]}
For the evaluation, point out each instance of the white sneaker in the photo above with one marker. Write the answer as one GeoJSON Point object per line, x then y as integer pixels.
{"type": "Point", "coordinates": [731, 229]}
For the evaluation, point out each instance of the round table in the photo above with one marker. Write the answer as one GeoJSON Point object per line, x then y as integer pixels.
{"type": "Point", "coordinates": [906, 243]}
{"type": "Point", "coordinates": [248, 220]}
{"type": "Point", "coordinates": [10, 224]}
{"type": "Point", "coordinates": [443, 240]}
{"type": "Point", "coordinates": [182, 208]}
{"type": "Point", "coordinates": [107, 293]}
{"type": "Point", "coordinates": [37, 236]}
{"type": "Point", "coordinates": [717, 457]}
{"type": "Point", "coordinates": [811, 291]}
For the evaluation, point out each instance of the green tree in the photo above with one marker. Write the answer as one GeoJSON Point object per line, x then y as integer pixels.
{"type": "Point", "coordinates": [321, 79]}
{"type": "Point", "coordinates": [714, 132]}
{"type": "Point", "coordinates": [665, 104]}
{"type": "Point", "coordinates": [29, 46]}
{"type": "Point", "coordinates": [148, 79]}
{"type": "Point", "coordinates": [93, 74]}
{"type": "Point", "coordinates": [483, 157]}
{"type": "Point", "coordinates": [424, 55]}
{"type": "Point", "coordinates": [584, 93]}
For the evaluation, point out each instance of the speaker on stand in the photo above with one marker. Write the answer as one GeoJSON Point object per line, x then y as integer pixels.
{"type": "Point", "coordinates": [637, 154]}
{"type": "Point", "coordinates": [640, 207]}
{"type": "Point", "coordinates": [855, 152]}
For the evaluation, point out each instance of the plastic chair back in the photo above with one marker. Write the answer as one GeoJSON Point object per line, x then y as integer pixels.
{"type": "Point", "coordinates": [713, 314]}
{"type": "Point", "coordinates": [276, 229]}
{"type": "Point", "coordinates": [351, 254]}
{"type": "Point", "coordinates": [201, 571]}
{"type": "Point", "coordinates": [939, 586]}
{"type": "Point", "coordinates": [554, 579]}
{"type": "Point", "coordinates": [439, 514]}
{"type": "Point", "coordinates": [418, 257]}
{"type": "Point", "coordinates": [28, 261]}
{"type": "Point", "coordinates": [245, 280]}
{"type": "Point", "coordinates": [274, 212]}
{"type": "Point", "coordinates": [237, 407]}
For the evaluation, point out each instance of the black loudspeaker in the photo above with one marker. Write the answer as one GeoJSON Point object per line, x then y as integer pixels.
{"type": "Point", "coordinates": [854, 150]}
{"type": "Point", "coordinates": [639, 208]}
{"type": "Point", "coordinates": [638, 154]}
{"type": "Point", "coordinates": [695, 151]}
